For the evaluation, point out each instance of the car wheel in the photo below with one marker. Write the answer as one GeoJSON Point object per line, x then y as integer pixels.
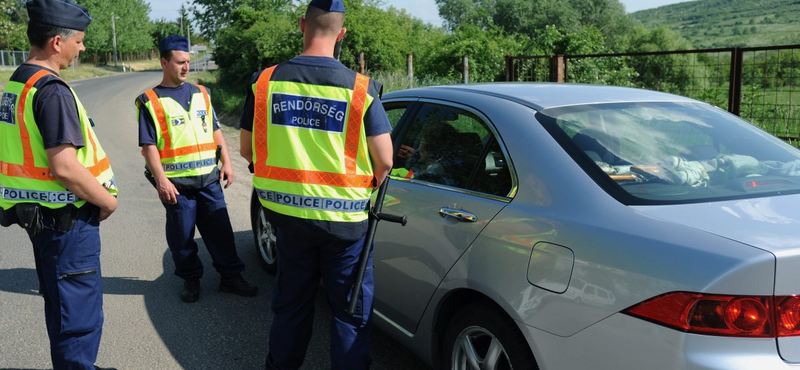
{"type": "Point", "coordinates": [263, 237]}
{"type": "Point", "coordinates": [481, 338]}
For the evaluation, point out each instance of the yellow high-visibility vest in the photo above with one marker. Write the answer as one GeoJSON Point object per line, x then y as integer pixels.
{"type": "Point", "coordinates": [320, 167]}
{"type": "Point", "coordinates": [25, 175]}
{"type": "Point", "coordinates": [185, 139]}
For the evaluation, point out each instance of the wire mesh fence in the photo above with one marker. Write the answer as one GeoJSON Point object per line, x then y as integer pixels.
{"type": "Point", "coordinates": [12, 58]}
{"type": "Point", "coordinates": [759, 84]}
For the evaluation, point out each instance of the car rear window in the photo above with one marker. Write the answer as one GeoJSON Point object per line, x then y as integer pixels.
{"type": "Point", "coordinates": [674, 152]}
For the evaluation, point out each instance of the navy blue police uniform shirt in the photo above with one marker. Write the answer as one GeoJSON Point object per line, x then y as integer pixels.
{"type": "Point", "coordinates": [54, 108]}
{"type": "Point", "coordinates": [147, 130]}
{"type": "Point", "coordinates": [328, 72]}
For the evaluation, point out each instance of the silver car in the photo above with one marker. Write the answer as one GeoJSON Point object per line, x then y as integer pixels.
{"type": "Point", "coordinates": [560, 226]}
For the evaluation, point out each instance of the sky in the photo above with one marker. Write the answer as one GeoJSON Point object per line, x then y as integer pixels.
{"type": "Point", "coordinates": [425, 10]}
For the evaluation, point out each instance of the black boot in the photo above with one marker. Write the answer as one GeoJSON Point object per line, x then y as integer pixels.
{"type": "Point", "coordinates": [237, 285]}
{"type": "Point", "coordinates": [191, 290]}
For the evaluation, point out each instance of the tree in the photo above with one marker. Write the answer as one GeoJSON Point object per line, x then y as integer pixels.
{"type": "Point", "coordinates": [213, 15]}
{"type": "Point", "coordinates": [132, 26]}
{"type": "Point", "coordinates": [13, 20]}
{"type": "Point", "coordinates": [486, 49]}
{"type": "Point", "coordinates": [246, 45]}
{"type": "Point", "coordinates": [456, 13]}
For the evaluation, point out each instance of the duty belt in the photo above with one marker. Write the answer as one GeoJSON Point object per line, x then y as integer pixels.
{"type": "Point", "coordinates": [323, 204]}
{"type": "Point", "coordinates": [171, 167]}
{"type": "Point", "coordinates": [54, 197]}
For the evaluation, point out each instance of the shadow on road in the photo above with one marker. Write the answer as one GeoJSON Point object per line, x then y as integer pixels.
{"type": "Point", "coordinates": [221, 331]}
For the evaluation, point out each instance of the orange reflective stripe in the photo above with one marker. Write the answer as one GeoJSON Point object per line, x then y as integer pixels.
{"type": "Point", "coordinates": [315, 177]}
{"type": "Point", "coordinates": [27, 169]}
{"type": "Point", "coordinates": [354, 122]}
{"type": "Point", "coordinates": [27, 151]}
{"type": "Point", "coordinates": [191, 149]}
{"type": "Point", "coordinates": [352, 140]}
{"type": "Point", "coordinates": [27, 172]}
{"type": "Point", "coordinates": [158, 109]}
{"type": "Point", "coordinates": [44, 174]}
{"type": "Point", "coordinates": [207, 100]}
{"type": "Point", "coordinates": [260, 117]}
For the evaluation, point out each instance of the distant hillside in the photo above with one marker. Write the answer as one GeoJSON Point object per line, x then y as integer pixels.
{"type": "Point", "coordinates": [727, 23]}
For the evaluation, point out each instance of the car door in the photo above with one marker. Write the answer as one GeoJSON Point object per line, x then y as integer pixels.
{"type": "Point", "coordinates": [450, 179]}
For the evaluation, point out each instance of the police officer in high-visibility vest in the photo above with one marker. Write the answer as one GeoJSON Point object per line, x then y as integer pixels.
{"type": "Point", "coordinates": [56, 181]}
{"type": "Point", "coordinates": [318, 138]}
{"type": "Point", "coordinates": [181, 142]}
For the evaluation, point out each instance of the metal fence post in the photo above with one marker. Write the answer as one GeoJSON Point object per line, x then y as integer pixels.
{"type": "Point", "coordinates": [735, 88]}
{"type": "Point", "coordinates": [509, 68]}
{"type": "Point", "coordinates": [410, 71]}
{"type": "Point", "coordinates": [556, 68]}
{"type": "Point", "coordinates": [465, 68]}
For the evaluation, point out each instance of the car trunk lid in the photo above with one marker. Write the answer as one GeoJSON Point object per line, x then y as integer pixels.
{"type": "Point", "coordinates": [771, 224]}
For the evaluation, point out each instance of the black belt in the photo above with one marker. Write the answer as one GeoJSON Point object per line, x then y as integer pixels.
{"type": "Point", "coordinates": [31, 216]}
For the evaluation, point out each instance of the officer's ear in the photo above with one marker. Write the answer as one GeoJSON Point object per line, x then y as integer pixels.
{"type": "Point", "coordinates": [302, 25]}
{"type": "Point", "coordinates": [340, 36]}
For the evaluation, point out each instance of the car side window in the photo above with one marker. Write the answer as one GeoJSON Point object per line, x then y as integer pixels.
{"type": "Point", "coordinates": [447, 145]}
{"type": "Point", "coordinates": [395, 112]}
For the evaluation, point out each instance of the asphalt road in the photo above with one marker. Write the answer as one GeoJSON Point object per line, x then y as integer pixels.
{"type": "Point", "coordinates": [146, 324]}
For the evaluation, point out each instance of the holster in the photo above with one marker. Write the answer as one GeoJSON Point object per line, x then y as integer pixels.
{"type": "Point", "coordinates": [64, 218]}
{"type": "Point", "coordinates": [29, 217]}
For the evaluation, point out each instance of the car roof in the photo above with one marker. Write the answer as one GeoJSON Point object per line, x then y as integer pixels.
{"type": "Point", "coordinates": [542, 96]}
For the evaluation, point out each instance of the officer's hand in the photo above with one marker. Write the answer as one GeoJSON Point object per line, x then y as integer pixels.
{"type": "Point", "coordinates": [226, 173]}
{"type": "Point", "coordinates": [167, 192]}
{"type": "Point", "coordinates": [105, 212]}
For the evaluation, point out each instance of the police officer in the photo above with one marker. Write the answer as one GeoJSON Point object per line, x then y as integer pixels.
{"type": "Point", "coordinates": [181, 143]}
{"type": "Point", "coordinates": [56, 181]}
{"type": "Point", "coordinates": [318, 138]}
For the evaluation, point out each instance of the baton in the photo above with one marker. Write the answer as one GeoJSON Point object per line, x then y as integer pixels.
{"type": "Point", "coordinates": [375, 215]}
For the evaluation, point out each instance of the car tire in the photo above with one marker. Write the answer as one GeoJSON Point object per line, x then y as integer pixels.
{"type": "Point", "coordinates": [478, 330]}
{"type": "Point", "coordinates": [263, 236]}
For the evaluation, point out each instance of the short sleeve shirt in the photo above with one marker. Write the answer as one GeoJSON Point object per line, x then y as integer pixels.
{"type": "Point", "coordinates": [327, 72]}
{"type": "Point", "coordinates": [147, 131]}
{"type": "Point", "coordinates": [181, 94]}
{"type": "Point", "coordinates": [321, 71]}
{"type": "Point", "coordinates": [54, 109]}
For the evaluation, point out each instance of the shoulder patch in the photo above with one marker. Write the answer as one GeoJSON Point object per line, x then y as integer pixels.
{"type": "Point", "coordinates": [8, 105]}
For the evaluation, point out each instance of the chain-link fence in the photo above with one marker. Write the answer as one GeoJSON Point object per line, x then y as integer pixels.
{"type": "Point", "coordinates": [762, 84]}
{"type": "Point", "coordinates": [12, 58]}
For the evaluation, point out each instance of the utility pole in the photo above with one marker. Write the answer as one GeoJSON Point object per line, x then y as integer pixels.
{"type": "Point", "coordinates": [114, 37]}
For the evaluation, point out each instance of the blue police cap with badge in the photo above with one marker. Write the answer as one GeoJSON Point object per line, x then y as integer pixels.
{"type": "Point", "coordinates": [328, 5]}
{"type": "Point", "coordinates": [59, 13]}
{"type": "Point", "coordinates": [174, 42]}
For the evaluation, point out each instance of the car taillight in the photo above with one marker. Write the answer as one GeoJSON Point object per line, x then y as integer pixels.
{"type": "Point", "coordinates": [725, 315]}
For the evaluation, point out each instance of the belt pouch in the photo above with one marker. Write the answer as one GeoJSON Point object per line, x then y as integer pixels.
{"type": "Point", "coordinates": [29, 217]}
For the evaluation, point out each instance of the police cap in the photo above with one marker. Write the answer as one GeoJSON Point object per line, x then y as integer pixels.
{"type": "Point", "coordinates": [59, 13]}
{"type": "Point", "coordinates": [328, 5]}
{"type": "Point", "coordinates": [174, 42]}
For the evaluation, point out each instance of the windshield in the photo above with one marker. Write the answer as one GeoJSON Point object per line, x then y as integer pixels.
{"type": "Point", "coordinates": [674, 152]}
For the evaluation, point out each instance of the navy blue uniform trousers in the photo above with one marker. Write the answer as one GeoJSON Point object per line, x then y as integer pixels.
{"type": "Point", "coordinates": [205, 208]}
{"type": "Point", "coordinates": [302, 262]}
{"type": "Point", "coordinates": [68, 266]}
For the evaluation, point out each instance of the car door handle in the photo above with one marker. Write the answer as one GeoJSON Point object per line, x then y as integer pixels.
{"type": "Point", "coordinates": [458, 214]}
